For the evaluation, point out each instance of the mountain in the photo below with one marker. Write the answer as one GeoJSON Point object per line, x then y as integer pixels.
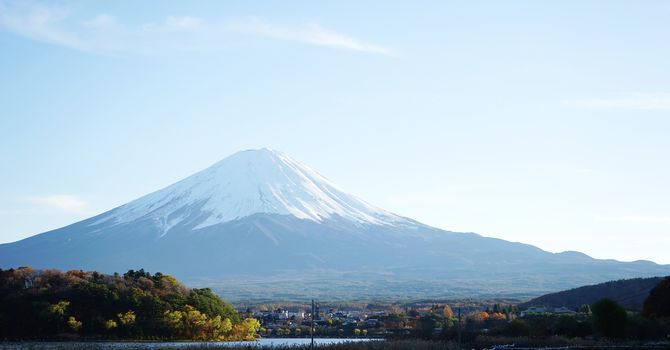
{"type": "Point", "coordinates": [259, 224]}
{"type": "Point", "coordinates": [629, 293]}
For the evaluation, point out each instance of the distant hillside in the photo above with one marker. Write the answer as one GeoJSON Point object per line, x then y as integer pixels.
{"type": "Point", "coordinates": [630, 293]}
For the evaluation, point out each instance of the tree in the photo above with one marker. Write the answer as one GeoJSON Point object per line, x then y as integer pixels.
{"type": "Point", "coordinates": [517, 328]}
{"type": "Point", "coordinates": [566, 325]}
{"type": "Point", "coordinates": [427, 325]}
{"type": "Point", "coordinates": [247, 329]}
{"type": "Point", "coordinates": [110, 324]}
{"type": "Point", "coordinates": [497, 316]}
{"type": "Point", "coordinates": [194, 321]}
{"type": "Point", "coordinates": [479, 316]}
{"type": "Point", "coordinates": [447, 312]}
{"type": "Point", "coordinates": [59, 308]}
{"type": "Point", "coordinates": [496, 308]}
{"type": "Point", "coordinates": [145, 306]}
{"type": "Point", "coordinates": [209, 303]}
{"type": "Point", "coordinates": [127, 318]}
{"type": "Point", "coordinates": [217, 328]}
{"type": "Point", "coordinates": [657, 303]}
{"type": "Point", "coordinates": [609, 318]}
{"type": "Point", "coordinates": [174, 320]}
{"type": "Point", "coordinates": [74, 324]}
{"type": "Point", "coordinates": [56, 313]}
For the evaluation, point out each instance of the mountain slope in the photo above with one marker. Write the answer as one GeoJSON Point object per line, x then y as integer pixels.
{"type": "Point", "coordinates": [630, 293]}
{"type": "Point", "coordinates": [259, 223]}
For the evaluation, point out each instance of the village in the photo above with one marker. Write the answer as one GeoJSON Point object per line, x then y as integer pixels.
{"type": "Point", "coordinates": [415, 320]}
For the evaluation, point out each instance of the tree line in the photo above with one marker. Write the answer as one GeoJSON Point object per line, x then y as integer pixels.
{"type": "Point", "coordinates": [51, 304]}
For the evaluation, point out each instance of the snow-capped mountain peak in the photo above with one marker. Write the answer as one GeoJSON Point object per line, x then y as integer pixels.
{"type": "Point", "coordinates": [247, 183]}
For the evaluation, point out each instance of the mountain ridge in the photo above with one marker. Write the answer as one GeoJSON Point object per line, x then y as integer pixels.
{"type": "Point", "coordinates": [630, 293]}
{"type": "Point", "coordinates": [281, 218]}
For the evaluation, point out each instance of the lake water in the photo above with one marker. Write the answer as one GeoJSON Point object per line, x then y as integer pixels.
{"type": "Point", "coordinates": [163, 345]}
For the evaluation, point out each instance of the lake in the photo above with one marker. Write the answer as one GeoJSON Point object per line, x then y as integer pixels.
{"type": "Point", "coordinates": [153, 345]}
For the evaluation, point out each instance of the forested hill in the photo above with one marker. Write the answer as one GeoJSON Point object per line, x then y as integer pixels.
{"type": "Point", "coordinates": [629, 293]}
{"type": "Point", "coordinates": [51, 304]}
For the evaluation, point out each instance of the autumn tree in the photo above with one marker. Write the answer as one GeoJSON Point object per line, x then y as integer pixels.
{"type": "Point", "coordinates": [479, 316]}
{"type": "Point", "coordinates": [74, 324]}
{"type": "Point", "coordinates": [497, 316]}
{"type": "Point", "coordinates": [247, 329]}
{"type": "Point", "coordinates": [447, 312]}
{"type": "Point", "coordinates": [110, 325]}
{"type": "Point", "coordinates": [127, 318]}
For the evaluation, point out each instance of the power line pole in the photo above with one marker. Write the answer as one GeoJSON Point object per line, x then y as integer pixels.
{"type": "Point", "coordinates": [311, 328]}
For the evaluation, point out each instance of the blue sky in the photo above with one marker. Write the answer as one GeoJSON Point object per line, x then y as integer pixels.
{"type": "Point", "coordinates": [540, 122]}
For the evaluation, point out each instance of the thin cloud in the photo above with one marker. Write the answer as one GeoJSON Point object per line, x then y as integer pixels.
{"type": "Point", "coordinates": [106, 34]}
{"type": "Point", "coordinates": [637, 101]}
{"type": "Point", "coordinates": [62, 202]}
{"type": "Point", "coordinates": [310, 34]}
{"type": "Point", "coordinates": [39, 23]}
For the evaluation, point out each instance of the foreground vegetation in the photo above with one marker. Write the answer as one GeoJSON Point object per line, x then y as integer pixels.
{"type": "Point", "coordinates": [51, 304]}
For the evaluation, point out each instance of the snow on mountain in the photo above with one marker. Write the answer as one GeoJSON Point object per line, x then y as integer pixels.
{"type": "Point", "coordinates": [246, 183]}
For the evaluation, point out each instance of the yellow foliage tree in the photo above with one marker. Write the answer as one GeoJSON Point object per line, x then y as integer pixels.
{"type": "Point", "coordinates": [189, 323]}
{"type": "Point", "coordinates": [246, 330]}
{"type": "Point", "coordinates": [127, 318]}
{"type": "Point", "coordinates": [59, 308]}
{"type": "Point", "coordinates": [110, 324]}
{"type": "Point", "coordinates": [74, 324]}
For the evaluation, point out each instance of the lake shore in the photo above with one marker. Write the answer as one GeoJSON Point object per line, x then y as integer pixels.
{"type": "Point", "coordinates": [320, 343]}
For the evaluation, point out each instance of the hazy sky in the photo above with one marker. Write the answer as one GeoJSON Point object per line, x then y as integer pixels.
{"type": "Point", "coordinates": [545, 122]}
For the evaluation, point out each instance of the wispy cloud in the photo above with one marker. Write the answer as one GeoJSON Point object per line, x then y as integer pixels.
{"type": "Point", "coordinates": [40, 23]}
{"type": "Point", "coordinates": [639, 219]}
{"type": "Point", "coordinates": [62, 202]}
{"type": "Point", "coordinates": [106, 34]}
{"type": "Point", "coordinates": [636, 101]}
{"type": "Point", "coordinates": [310, 34]}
